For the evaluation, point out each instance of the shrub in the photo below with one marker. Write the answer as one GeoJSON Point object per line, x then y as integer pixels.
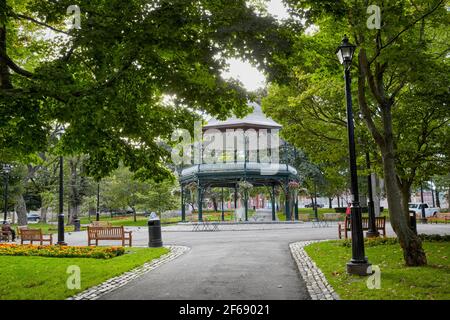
{"type": "Point", "coordinates": [61, 251]}
{"type": "Point", "coordinates": [434, 237]}
{"type": "Point", "coordinates": [372, 242]}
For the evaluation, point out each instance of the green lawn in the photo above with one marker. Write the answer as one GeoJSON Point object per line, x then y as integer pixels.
{"type": "Point", "coordinates": [23, 278]}
{"type": "Point", "coordinates": [397, 281]}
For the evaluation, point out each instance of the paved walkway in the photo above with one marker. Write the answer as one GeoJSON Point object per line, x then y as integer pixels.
{"type": "Point", "coordinates": [242, 262]}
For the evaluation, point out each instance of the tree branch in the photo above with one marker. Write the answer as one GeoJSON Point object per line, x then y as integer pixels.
{"type": "Point", "coordinates": [18, 69]}
{"type": "Point", "coordinates": [404, 30]}
{"type": "Point", "coordinates": [365, 108]}
{"type": "Point", "coordinates": [364, 67]}
{"type": "Point", "coordinates": [24, 17]}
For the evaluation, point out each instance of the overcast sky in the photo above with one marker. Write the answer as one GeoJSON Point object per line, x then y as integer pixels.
{"type": "Point", "coordinates": [251, 78]}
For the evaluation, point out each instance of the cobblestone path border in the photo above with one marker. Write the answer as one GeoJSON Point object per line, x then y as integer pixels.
{"type": "Point", "coordinates": [316, 283]}
{"type": "Point", "coordinates": [109, 285]}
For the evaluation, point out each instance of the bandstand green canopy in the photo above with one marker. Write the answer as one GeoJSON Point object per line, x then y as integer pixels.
{"type": "Point", "coordinates": [227, 173]}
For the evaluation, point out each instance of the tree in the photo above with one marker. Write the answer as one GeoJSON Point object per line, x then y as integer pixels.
{"type": "Point", "coordinates": [107, 81]}
{"type": "Point", "coordinates": [442, 184]}
{"type": "Point", "coordinates": [160, 197]}
{"type": "Point", "coordinates": [121, 191]}
{"type": "Point", "coordinates": [406, 117]}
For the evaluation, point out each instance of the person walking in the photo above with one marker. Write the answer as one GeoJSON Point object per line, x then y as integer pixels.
{"type": "Point", "coordinates": [348, 211]}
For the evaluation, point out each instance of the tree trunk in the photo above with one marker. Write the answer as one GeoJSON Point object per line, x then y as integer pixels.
{"type": "Point", "coordinates": [330, 203]}
{"type": "Point", "coordinates": [74, 211]}
{"type": "Point", "coordinates": [438, 202]}
{"type": "Point", "coordinates": [448, 198]}
{"type": "Point", "coordinates": [405, 189]}
{"type": "Point", "coordinates": [134, 214]}
{"type": "Point", "coordinates": [214, 201]}
{"type": "Point", "coordinates": [44, 211]}
{"type": "Point", "coordinates": [5, 81]}
{"type": "Point", "coordinates": [409, 241]}
{"type": "Point", "coordinates": [21, 210]}
{"type": "Point", "coordinates": [398, 210]}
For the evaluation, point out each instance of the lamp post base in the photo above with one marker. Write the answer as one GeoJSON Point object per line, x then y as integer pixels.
{"type": "Point", "coordinates": [360, 269]}
{"type": "Point", "coordinates": [372, 234]}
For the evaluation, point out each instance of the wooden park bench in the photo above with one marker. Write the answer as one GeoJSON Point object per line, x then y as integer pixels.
{"type": "Point", "coordinates": [19, 230]}
{"type": "Point", "coordinates": [108, 233]}
{"type": "Point", "coordinates": [345, 226]}
{"type": "Point", "coordinates": [33, 235]}
{"type": "Point", "coordinates": [439, 218]}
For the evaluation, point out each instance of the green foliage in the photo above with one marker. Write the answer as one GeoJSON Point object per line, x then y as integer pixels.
{"type": "Point", "coordinates": [122, 191]}
{"type": "Point", "coordinates": [435, 237]}
{"type": "Point", "coordinates": [107, 81]}
{"type": "Point", "coordinates": [312, 109]}
{"type": "Point", "coordinates": [372, 242]}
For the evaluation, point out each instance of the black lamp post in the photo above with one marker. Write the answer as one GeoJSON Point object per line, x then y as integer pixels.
{"type": "Point", "coordinates": [97, 214]}
{"type": "Point", "coordinates": [6, 171]}
{"type": "Point", "coordinates": [359, 264]}
{"type": "Point", "coordinates": [61, 198]}
{"type": "Point", "coordinates": [183, 208]}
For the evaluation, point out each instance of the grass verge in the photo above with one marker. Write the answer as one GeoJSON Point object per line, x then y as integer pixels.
{"type": "Point", "coordinates": [42, 278]}
{"type": "Point", "coordinates": [398, 282]}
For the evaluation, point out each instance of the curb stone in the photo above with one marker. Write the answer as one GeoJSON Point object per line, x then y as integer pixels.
{"type": "Point", "coordinates": [316, 283]}
{"type": "Point", "coordinates": [112, 284]}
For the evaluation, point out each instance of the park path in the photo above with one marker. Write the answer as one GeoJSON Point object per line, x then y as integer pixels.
{"type": "Point", "coordinates": [223, 265]}
{"type": "Point", "coordinates": [253, 263]}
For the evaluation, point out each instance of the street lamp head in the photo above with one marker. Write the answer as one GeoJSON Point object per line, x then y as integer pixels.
{"type": "Point", "coordinates": [6, 168]}
{"type": "Point", "coordinates": [60, 132]}
{"type": "Point", "coordinates": [345, 52]}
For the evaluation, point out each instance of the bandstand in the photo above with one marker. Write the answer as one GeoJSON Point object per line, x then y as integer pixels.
{"type": "Point", "coordinates": [247, 150]}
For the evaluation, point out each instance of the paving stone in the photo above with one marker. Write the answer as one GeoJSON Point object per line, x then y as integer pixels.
{"type": "Point", "coordinates": [97, 291]}
{"type": "Point", "coordinates": [316, 283]}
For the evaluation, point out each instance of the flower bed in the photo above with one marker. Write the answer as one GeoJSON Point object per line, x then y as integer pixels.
{"type": "Point", "coordinates": [61, 251]}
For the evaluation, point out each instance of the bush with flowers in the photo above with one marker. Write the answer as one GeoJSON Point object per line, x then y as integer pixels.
{"type": "Point", "coordinates": [61, 251]}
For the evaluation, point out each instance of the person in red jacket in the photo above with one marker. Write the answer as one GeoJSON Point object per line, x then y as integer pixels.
{"type": "Point", "coordinates": [349, 210]}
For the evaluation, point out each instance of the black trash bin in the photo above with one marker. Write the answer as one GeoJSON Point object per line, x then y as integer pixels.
{"type": "Point", "coordinates": [413, 221]}
{"type": "Point", "coordinates": [154, 233]}
{"type": "Point", "coordinates": [76, 224]}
